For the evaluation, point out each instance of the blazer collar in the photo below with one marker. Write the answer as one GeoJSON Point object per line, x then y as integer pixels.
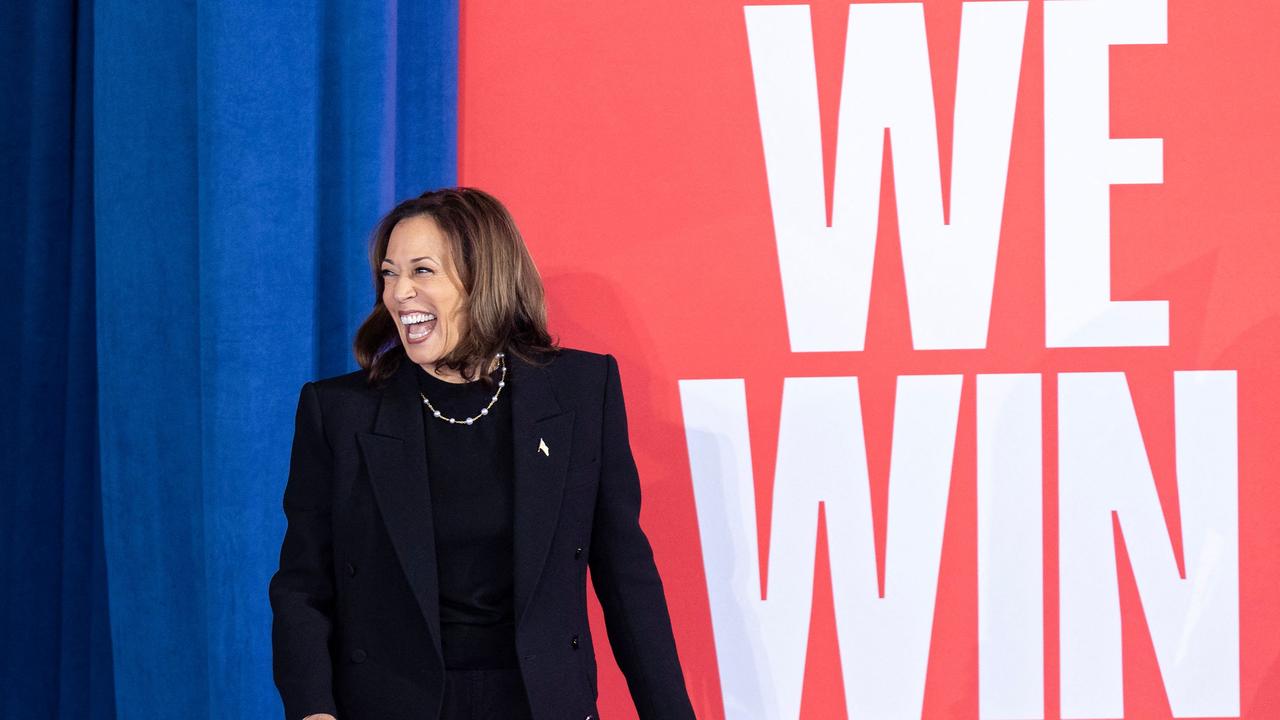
{"type": "Point", "coordinates": [396, 459]}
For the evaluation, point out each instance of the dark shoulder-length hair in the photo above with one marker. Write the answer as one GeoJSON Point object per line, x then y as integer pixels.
{"type": "Point", "coordinates": [503, 297]}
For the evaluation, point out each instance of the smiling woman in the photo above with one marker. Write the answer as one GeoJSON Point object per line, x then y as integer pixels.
{"type": "Point", "coordinates": [446, 501]}
{"type": "Point", "coordinates": [452, 267]}
{"type": "Point", "coordinates": [426, 295]}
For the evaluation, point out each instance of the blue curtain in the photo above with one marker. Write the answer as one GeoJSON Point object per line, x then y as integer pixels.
{"type": "Point", "coordinates": [188, 192]}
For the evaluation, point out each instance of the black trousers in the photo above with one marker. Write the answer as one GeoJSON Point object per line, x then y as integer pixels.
{"type": "Point", "coordinates": [485, 695]}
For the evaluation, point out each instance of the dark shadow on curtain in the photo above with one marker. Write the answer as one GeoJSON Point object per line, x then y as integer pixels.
{"type": "Point", "coordinates": [55, 651]}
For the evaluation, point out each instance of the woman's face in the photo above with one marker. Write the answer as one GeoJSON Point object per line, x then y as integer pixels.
{"type": "Point", "coordinates": [422, 291]}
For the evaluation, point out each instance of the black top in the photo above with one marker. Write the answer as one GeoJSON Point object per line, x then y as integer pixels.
{"type": "Point", "coordinates": [470, 474]}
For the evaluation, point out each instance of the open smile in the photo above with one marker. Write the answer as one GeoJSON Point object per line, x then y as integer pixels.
{"type": "Point", "coordinates": [418, 325]}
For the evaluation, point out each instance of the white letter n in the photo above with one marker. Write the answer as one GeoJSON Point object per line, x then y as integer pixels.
{"type": "Point", "coordinates": [1102, 468]}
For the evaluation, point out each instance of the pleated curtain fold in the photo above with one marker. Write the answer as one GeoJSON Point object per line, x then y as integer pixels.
{"type": "Point", "coordinates": [188, 193]}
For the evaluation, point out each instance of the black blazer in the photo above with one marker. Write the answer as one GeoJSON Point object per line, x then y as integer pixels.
{"type": "Point", "coordinates": [356, 624]}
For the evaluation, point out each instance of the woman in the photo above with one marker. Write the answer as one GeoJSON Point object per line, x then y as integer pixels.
{"type": "Point", "coordinates": [445, 501]}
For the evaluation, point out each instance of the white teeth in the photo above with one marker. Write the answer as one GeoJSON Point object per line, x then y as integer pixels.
{"type": "Point", "coordinates": [412, 320]}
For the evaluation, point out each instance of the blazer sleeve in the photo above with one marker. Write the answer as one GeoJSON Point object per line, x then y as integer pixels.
{"type": "Point", "coordinates": [625, 578]}
{"type": "Point", "coordinates": [302, 590]}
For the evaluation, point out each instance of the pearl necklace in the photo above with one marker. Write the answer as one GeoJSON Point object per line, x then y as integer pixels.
{"type": "Point", "coordinates": [483, 411]}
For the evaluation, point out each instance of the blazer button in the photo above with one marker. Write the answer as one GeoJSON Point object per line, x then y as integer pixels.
{"type": "Point", "coordinates": [574, 642]}
{"type": "Point", "coordinates": [577, 553]}
{"type": "Point", "coordinates": [351, 570]}
{"type": "Point", "coordinates": [358, 656]}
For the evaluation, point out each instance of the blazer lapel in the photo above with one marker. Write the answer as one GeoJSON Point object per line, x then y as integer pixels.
{"type": "Point", "coordinates": [396, 457]}
{"type": "Point", "coordinates": [538, 421]}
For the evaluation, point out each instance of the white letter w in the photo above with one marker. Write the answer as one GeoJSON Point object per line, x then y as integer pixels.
{"type": "Point", "coordinates": [884, 641]}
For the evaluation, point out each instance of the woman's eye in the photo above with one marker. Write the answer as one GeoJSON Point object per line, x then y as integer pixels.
{"type": "Point", "coordinates": [384, 272]}
{"type": "Point", "coordinates": [426, 269]}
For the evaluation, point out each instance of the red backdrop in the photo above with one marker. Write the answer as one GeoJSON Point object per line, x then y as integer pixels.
{"type": "Point", "coordinates": [626, 139]}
